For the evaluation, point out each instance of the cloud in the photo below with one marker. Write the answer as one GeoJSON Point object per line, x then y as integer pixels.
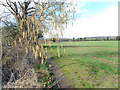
{"type": "Point", "coordinates": [98, 0]}
{"type": "Point", "coordinates": [103, 24]}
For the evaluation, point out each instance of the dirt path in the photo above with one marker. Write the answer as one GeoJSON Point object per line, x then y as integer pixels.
{"type": "Point", "coordinates": [62, 82]}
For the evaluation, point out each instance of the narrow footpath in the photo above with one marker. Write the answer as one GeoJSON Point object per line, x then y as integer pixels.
{"type": "Point", "coordinates": [62, 82]}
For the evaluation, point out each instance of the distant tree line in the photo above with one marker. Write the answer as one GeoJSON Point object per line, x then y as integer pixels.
{"type": "Point", "coordinates": [97, 39]}
{"type": "Point", "coordinates": [117, 38]}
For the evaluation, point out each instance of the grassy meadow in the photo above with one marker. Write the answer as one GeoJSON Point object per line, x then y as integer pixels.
{"type": "Point", "coordinates": [88, 64]}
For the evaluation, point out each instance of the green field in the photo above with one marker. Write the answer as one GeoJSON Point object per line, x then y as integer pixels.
{"type": "Point", "coordinates": [88, 64]}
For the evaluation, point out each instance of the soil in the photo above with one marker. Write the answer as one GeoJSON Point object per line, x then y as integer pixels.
{"type": "Point", "coordinates": [62, 81]}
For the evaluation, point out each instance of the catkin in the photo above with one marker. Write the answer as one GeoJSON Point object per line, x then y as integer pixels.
{"type": "Point", "coordinates": [38, 6]}
{"type": "Point", "coordinates": [57, 49]}
{"type": "Point", "coordinates": [41, 46]}
{"type": "Point", "coordinates": [34, 32]}
{"type": "Point", "coordinates": [61, 21]}
{"type": "Point", "coordinates": [34, 39]}
{"type": "Point", "coordinates": [46, 57]}
{"type": "Point", "coordinates": [36, 54]}
{"type": "Point", "coordinates": [51, 12]}
{"type": "Point", "coordinates": [26, 50]}
{"type": "Point", "coordinates": [45, 41]}
{"type": "Point", "coordinates": [49, 44]}
{"type": "Point", "coordinates": [42, 61]}
{"type": "Point", "coordinates": [23, 34]}
{"type": "Point", "coordinates": [40, 13]}
{"type": "Point", "coordinates": [45, 31]}
{"type": "Point", "coordinates": [40, 54]}
{"type": "Point", "coordinates": [26, 33]}
{"type": "Point", "coordinates": [28, 30]}
{"type": "Point", "coordinates": [32, 20]}
{"type": "Point", "coordinates": [37, 30]}
{"type": "Point", "coordinates": [36, 25]}
{"type": "Point", "coordinates": [21, 24]}
{"type": "Point", "coordinates": [33, 49]}
{"type": "Point", "coordinates": [61, 46]}
{"type": "Point", "coordinates": [51, 32]}
{"type": "Point", "coordinates": [40, 25]}
{"type": "Point", "coordinates": [60, 8]}
{"type": "Point", "coordinates": [43, 18]}
{"type": "Point", "coordinates": [26, 39]}
{"type": "Point", "coordinates": [30, 47]}
{"type": "Point", "coordinates": [28, 44]}
{"type": "Point", "coordinates": [59, 16]}
{"type": "Point", "coordinates": [52, 38]}
{"type": "Point", "coordinates": [61, 32]}
{"type": "Point", "coordinates": [46, 49]}
{"type": "Point", "coordinates": [46, 9]}
{"type": "Point", "coordinates": [59, 55]}
{"type": "Point", "coordinates": [41, 8]}
{"type": "Point", "coordinates": [37, 47]}
{"type": "Point", "coordinates": [44, 27]}
{"type": "Point", "coordinates": [65, 14]}
{"type": "Point", "coordinates": [15, 42]}
{"type": "Point", "coordinates": [19, 40]}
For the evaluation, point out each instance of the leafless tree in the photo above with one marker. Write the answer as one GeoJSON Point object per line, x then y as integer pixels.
{"type": "Point", "coordinates": [33, 19]}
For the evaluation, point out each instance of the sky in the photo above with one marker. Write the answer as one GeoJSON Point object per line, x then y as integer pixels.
{"type": "Point", "coordinates": [94, 18]}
